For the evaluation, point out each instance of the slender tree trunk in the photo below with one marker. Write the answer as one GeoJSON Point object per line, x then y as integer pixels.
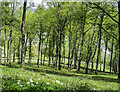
{"type": "Point", "coordinates": [8, 51]}
{"type": "Point", "coordinates": [39, 48]}
{"type": "Point", "coordinates": [14, 53]}
{"type": "Point", "coordinates": [10, 56]}
{"type": "Point", "coordinates": [74, 48]}
{"type": "Point", "coordinates": [49, 53]}
{"type": "Point", "coordinates": [76, 52]}
{"type": "Point", "coordinates": [114, 63]}
{"type": "Point", "coordinates": [30, 42]}
{"type": "Point", "coordinates": [60, 33]}
{"type": "Point", "coordinates": [69, 46]}
{"type": "Point", "coordinates": [5, 47]}
{"type": "Point", "coordinates": [111, 55]}
{"type": "Point", "coordinates": [53, 48]}
{"type": "Point", "coordinates": [23, 35]}
{"type": "Point", "coordinates": [64, 49]}
{"type": "Point", "coordinates": [80, 54]}
{"type": "Point", "coordinates": [46, 47]}
{"type": "Point", "coordinates": [91, 51]}
{"type": "Point", "coordinates": [26, 43]}
{"type": "Point", "coordinates": [56, 53]}
{"type": "Point", "coordinates": [99, 45]}
{"type": "Point", "coordinates": [45, 51]}
{"type": "Point", "coordinates": [105, 54]}
{"type": "Point", "coordinates": [94, 55]}
{"type": "Point", "coordinates": [19, 51]}
{"type": "Point", "coordinates": [118, 63]}
{"type": "Point", "coordinates": [100, 61]}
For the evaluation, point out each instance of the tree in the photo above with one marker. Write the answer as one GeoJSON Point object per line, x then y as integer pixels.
{"type": "Point", "coordinates": [23, 35]}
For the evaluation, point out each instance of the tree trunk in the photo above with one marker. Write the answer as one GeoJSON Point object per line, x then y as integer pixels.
{"type": "Point", "coordinates": [60, 33]}
{"type": "Point", "coordinates": [39, 48]}
{"type": "Point", "coordinates": [64, 49]}
{"type": "Point", "coordinates": [41, 51]}
{"type": "Point", "coordinates": [69, 46]}
{"type": "Point", "coordinates": [111, 55]}
{"type": "Point", "coordinates": [26, 43]}
{"type": "Point", "coordinates": [99, 45]}
{"type": "Point", "coordinates": [105, 54]}
{"type": "Point", "coordinates": [91, 51]}
{"type": "Point", "coordinates": [8, 51]}
{"type": "Point", "coordinates": [74, 48]}
{"type": "Point", "coordinates": [14, 53]}
{"type": "Point", "coordinates": [5, 47]}
{"type": "Point", "coordinates": [45, 51]}
{"type": "Point", "coordinates": [11, 38]}
{"type": "Point", "coordinates": [114, 64]}
{"type": "Point", "coordinates": [80, 53]}
{"type": "Point", "coordinates": [46, 47]}
{"type": "Point", "coordinates": [76, 52]}
{"type": "Point", "coordinates": [19, 51]}
{"type": "Point", "coordinates": [49, 52]}
{"type": "Point", "coordinates": [56, 53]}
{"type": "Point", "coordinates": [30, 42]}
{"type": "Point", "coordinates": [23, 35]}
{"type": "Point", "coordinates": [53, 48]}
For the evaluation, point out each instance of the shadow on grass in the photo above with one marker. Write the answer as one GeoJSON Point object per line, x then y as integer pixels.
{"type": "Point", "coordinates": [58, 72]}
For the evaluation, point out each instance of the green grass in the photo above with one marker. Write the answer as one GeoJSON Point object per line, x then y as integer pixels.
{"type": "Point", "coordinates": [46, 78]}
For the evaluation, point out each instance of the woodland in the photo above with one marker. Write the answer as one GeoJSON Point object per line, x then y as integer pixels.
{"type": "Point", "coordinates": [56, 46]}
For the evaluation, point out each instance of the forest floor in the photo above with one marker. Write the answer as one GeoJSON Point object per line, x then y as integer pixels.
{"type": "Point", "coordinates": [46, 78]}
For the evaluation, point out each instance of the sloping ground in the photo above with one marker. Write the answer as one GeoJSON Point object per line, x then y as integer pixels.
{"type": "Point", "coordinates": [46, 78]}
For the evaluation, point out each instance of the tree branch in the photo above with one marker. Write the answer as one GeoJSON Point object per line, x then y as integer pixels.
{"type": "Point", "coordinates": [109, 33]}
{"type": "Point", "coordinates": [105, 12]}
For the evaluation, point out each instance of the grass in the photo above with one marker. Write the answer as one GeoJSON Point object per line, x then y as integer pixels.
{"type": "Point", "coordinates": [45, 78]}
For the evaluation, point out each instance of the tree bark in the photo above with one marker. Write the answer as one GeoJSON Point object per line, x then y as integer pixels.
{"type": "Point", "coordinates": [99, 45]}
{"type": "Point", "coordinates": [14, 53]}
{"type": "Point", "coordinates": [56, 53]}
{"type": "Point", "coordinates": [41, 50]}
{"type": "Point", "coordinates": [64, 49]}
{"type": "Point", "coordinates": [26, 43]}
{"type": "Point", "coordinates": [111, 55]}
{"type": "Point", "coordinates": [49, 52]}
{"type": "Point", "coordinates": [46, 47]}
{"type": "Point", "coordinates": [10, 56]}
{"type": "Point", "coordinates": [76, 52]}
{"type": "Point", "coordinates": [5, 47]}
{"type": "Point", "coordinates": [19, 51]}
{"type": "Point", "coordinates": [69, 46]}
{"type": "Point", "coordinates": [74, 48]}
{"type": "Point", "coordinates": [8, 50]}
{"type": "Point", "coordinates": [53, 48]}
{"type": "Point", "coordinates": [30, 43]}
{"type": "Point", "coordinates": [83, 34]}
{"type": "Point", "coordinates": [23, 35]}
{"type": "Point", "coordinates": [39, 47]}
{"type": "Point", "coordinates": [91, 51]}
{"type": "Point", "coordinates": [114, 64]}
{"type": "Point", "coordinates": [105, 54]}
